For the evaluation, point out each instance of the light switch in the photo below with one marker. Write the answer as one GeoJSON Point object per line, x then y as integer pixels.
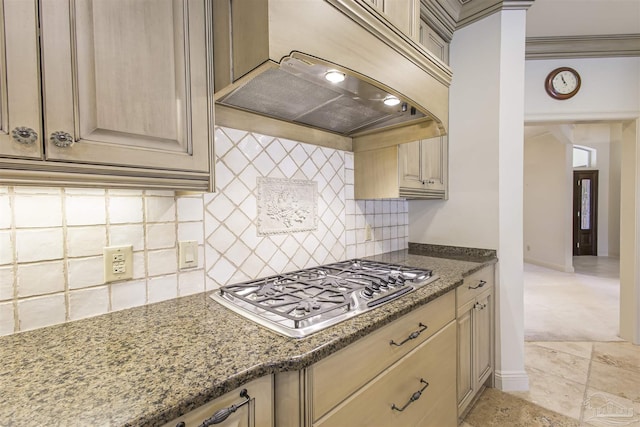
{"type": "Point", "coordinates": [188, 253]}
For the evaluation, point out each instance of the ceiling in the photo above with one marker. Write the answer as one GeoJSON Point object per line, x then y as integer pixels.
{"type": "Point", "coordinates": [548, 18]}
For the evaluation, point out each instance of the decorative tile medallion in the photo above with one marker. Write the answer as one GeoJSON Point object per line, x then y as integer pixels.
{"type": "Point", "coordinates": [286, 206]}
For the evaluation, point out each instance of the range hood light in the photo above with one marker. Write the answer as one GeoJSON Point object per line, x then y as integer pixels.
{"type": "Point", "coordinates": [391, 101]}
{"type": "Point", "coordinates": [334, 76]}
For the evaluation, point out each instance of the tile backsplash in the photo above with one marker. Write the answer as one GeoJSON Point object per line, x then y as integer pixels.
{"type": "Point", "coordinates": [51, 239]}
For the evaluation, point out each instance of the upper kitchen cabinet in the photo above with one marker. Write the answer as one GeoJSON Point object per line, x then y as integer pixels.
{"type": "Point", "coordinates": [20, 113]}
{"type": "Point", "coordinates": [404, 14]}
{"type": "Point", "coordinates": [127, 93]}
{"type": "Point", "coordinates": [415, 170]}
{"type": "Point", "coordinates": [438, 21]}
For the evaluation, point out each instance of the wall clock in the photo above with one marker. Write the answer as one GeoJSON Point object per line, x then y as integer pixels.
{"type": "Point", "coordinates": [562, 83]}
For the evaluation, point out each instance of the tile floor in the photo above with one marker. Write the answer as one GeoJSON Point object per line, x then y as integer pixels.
{"type": "Point", "coordinates": [572, 382]}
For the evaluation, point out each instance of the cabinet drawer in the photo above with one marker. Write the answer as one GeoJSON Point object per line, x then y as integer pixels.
{"type": "Point", "coordinates": [433, 362]}
{"type": "Point", "coordinates": [258, 412]}
{"type": "Point", "coordinates": [332, 382]}
{"type": "Point", "coordinates": [473, 286]}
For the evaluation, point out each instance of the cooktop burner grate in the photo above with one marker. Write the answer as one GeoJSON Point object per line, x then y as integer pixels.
{"type": "Point", "coordinates": [308, 300]}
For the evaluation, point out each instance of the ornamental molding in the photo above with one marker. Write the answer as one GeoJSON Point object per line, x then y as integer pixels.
{"type": "Point", "coordinates": [286, 206]}
{"type": "Point", "coordinates": [602, 46]}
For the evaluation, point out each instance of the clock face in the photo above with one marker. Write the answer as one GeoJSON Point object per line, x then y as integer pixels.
{"type": "Point", "coordinates": [565, 82]}
{"type": "Point", "coordinates": [562, 83]}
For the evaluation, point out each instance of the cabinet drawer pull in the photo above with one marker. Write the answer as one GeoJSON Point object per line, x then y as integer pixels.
{"type": "Point", "coordinates": [224, 413]}
{"type": "Point", "coordinates": [415, 396]}
{"type": "Point", "coordinates": [61, 139]}
{"type": "Point", "coordinates": [412, 335]}
{"type": "Point", "coordinates": [481, 284]}
{"type": "Point", "coordinates": [24, 135]}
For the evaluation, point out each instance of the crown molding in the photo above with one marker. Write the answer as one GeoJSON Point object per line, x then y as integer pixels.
{"type": "Point", "coordinates": [606, 46]}
{"type": "Point", "coordinates": [441, 16]}
{"type": "Point", "coordinates": [476, 10]}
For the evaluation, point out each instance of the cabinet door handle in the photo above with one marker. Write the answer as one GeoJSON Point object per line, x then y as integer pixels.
{"type": "Point", "coordinates": [479, 306]}
{"type": "Point", "coordinates": [224, 413]}
{"type": "Point", "coordinates": [412, 335]}
{"type": "Point", "coordinates": [24, 135]}
{"type": "Point", "coordinates": [481, 284]}
{"type": "Point", "coordinates": [415, 396]}
{"type": "Point", "coordinates": [61, 139]}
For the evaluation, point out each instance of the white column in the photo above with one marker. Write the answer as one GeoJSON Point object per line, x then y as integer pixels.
{"type": "Point", "coordinates": [630, 233]}
{"type": "Point", "coordinates": [510, 373]}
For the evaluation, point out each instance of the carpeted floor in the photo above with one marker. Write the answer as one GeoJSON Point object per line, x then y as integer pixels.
{"type": "Point", "coordinates": [581, 306]}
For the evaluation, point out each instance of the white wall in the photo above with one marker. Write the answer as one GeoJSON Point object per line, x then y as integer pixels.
{"type": "Point", "coordinates": [610, 90]}
{"type": "Point", "coordinates": [485, 172]}
{"type": "Point", "coordinates": [547, 202]}
{"type": "Point", "coordinates": [470, 216]}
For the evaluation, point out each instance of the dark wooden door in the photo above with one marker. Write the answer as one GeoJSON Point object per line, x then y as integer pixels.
{"type": "Point", "coordinates": [585, 212]}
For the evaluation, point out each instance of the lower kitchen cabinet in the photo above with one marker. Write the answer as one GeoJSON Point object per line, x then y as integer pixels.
{"type": "Point", "coordinates": [418, 390]}
{"type": "Point", "coordinates": [361, 384]}
{"type": "Point", "coordinates": [256, 412]}
{"type": "Point", "coordinates": [474, 314]}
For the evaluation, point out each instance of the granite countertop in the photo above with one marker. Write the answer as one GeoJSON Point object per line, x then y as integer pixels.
{"type": "Point", "coordinates": [148, 365]}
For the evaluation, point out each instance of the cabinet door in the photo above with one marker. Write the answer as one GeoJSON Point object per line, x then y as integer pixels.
{"type": "Point", "coordinates": [19, 79]}
{"type": "Point", "coordinates": [434, 162]}
{"type": "Point", "coordinates": [404, 14]}
{"type": "Point", "coordinates": [483, 338]}
{"type": "Point", "coordinates": [128, 81]}
{"type": "Point", "coordinates": [409, 168]}
{"type": "Point", "coordinates": [433, 42]}
{"type": "Point", "coordinates": [466, 378]}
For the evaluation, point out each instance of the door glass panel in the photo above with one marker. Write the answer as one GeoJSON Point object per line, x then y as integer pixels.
{"type": "Point", "coordinates": [585, 204]}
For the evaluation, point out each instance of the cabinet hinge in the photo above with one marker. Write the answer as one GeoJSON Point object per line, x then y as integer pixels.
{"type": "Point", "coordinates": [578, 245]}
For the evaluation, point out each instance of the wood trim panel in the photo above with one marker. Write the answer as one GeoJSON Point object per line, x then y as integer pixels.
{"type": "Point", "coordinates": [77, 175]}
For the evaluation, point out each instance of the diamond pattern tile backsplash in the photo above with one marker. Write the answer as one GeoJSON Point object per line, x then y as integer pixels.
{"type": "Point", "coordinates": [51, 239]}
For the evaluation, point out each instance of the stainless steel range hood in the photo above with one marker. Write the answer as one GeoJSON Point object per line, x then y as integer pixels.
{"type": "Point", "coordinates": [272, 56]}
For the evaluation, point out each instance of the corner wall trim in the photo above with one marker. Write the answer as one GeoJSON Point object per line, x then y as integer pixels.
{"type": "Point", "coordinates": [512, 380]}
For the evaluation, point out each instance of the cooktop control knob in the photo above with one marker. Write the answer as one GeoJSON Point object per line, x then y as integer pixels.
{"type": "Point", "coordinates": [367, 292]}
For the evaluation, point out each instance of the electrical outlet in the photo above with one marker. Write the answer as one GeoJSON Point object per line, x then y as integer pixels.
{"type": "Point", "coordinates": [188, 251]}
{"type": "Point", "coordinates": [118, 263]}
{"type": "Point", "coordinates": [368, 235]}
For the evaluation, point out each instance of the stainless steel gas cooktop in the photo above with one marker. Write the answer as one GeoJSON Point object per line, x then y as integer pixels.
{"type": "Point", "coordinates": [303, 302]}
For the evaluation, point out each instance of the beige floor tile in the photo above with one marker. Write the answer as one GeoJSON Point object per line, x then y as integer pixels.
{"type": "Point", "coordinates": [577, 348]}
{"type": "Point", "coordinates": [554, 393]}
{"type": "Point", "coordinates": [497, 409]}
{"type": "Point", "coordinates": [621, 354]}
{"type": "Point", "coordinates": [603, 409]}
{"type": "Point", "coordinates": [556, 363]}
{"type": "Point", "coordinates": [614, 380]}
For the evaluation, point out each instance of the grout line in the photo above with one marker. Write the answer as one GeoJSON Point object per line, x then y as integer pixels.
{"type": "Point", "coordinates": [586, 385]}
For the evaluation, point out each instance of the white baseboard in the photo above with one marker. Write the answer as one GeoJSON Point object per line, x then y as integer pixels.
{"type": "Point", "coordinates": [512, 380]}
{"type": "Point", "coordinates": [558, 267]}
